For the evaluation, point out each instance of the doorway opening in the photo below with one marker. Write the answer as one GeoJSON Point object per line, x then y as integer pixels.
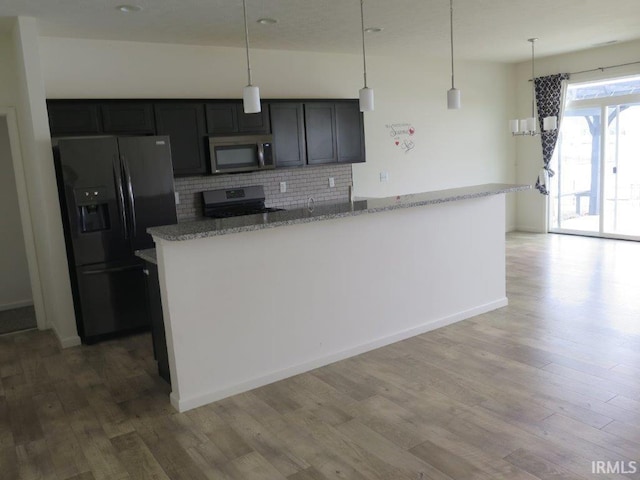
{"type": "Point", "coordinates": [16, 304]}
{"type": "Point", "coordinates": [21, 300]}
{"type": "Point", "coordinates": [596, 189]}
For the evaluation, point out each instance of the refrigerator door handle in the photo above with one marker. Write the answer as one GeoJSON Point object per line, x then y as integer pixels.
{"type": "Point", "coordinates": [121, 208]}
{"type": "Point", "coordinates": [102, 271]}
{"type": "Point", "coordinates": [132, 201]}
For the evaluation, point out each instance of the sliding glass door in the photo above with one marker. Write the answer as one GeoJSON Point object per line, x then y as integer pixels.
{"type": "Point", "coordinates": [622, 171]}
{"type": "Point", "coordinates": [596, 190]}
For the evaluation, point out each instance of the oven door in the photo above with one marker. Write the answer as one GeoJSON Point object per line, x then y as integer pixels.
{"type": "Point", "coordinates": [238, 154]}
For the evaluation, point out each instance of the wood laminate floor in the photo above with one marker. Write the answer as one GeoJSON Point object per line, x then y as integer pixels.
{"type": "Point", "coordinates": [540, 389]}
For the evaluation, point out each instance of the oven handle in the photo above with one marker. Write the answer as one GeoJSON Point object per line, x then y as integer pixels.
{"type": "Point", "coordinates": [261, 155]}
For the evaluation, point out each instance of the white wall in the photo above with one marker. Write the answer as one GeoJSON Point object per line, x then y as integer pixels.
{"type": "Point", "coordinates": [8, 81]}
{"type": "Point", "coordinates": [41, 186]}
{"type": "Point", "coordinates": [531, 206]}
{"type": "Point", "coordinates": [452, 148]}
{"type": "Point", "coordinates": [15, 289]}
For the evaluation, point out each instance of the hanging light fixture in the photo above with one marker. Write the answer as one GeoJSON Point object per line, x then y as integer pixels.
{"type": "Point", "coordinates": [250, 93]}
{"type": "Point", "coordinates": [529, 126]}
{"type": "Point", "coordinates": [453, 95]}
{"type": "Point", "coordinates": [366, 93]}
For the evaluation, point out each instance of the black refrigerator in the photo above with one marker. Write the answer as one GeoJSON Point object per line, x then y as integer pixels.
{"type": "Point", "coordinates": [111, 190]}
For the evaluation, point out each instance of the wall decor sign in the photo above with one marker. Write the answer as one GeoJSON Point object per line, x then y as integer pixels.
{"type": "Point", "coordinates": [402, 135]}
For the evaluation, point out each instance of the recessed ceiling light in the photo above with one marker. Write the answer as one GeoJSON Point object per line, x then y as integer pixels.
{"type": "Point", "coordinates": [128, 8]}
{"type": "Point", "coordinates": [373, 29]}
{"type": "Point", "coordinates": [267, 21]}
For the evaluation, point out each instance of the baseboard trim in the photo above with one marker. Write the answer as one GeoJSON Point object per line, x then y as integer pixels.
{"type": "Point", "coordinates": [66, 342]}
{"type": "Point", "coordinates": [184, 404]}
{"type": "Point", "coordinates": [14, 305]}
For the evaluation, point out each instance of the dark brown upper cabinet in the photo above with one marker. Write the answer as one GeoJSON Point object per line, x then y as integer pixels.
{"type": "Point", "coordinates": [228, 118]}
{"type": "Point", "coordinates": [73, 118]}
{"type": "Point", "coordinates": [128, 117]}
{"type": "Point", "coordinates": [320, 129]}
{"type": "Point", "coordinates": [184, 122]}
{"type": "Point", "coordinates": [349, 133]}
{"type": "Point", "coordinates": [287, 127]}
{"type": "Point", "coordinates": [334, 132]}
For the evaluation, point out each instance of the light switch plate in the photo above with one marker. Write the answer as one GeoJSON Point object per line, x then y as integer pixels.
{"type": "Point", "coordinates": [332, 182]}
{"type": "Point", "coordinates": [283, 187]}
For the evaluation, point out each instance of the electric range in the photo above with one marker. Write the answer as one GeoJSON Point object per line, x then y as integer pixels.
{"type": "Point", "coordinates": [234, 202]}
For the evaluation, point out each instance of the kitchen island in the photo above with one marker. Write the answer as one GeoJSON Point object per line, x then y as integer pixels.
{"type": "Point", "coordinates": [254, 299]}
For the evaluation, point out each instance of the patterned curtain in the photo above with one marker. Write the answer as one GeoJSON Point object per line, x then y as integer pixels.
{"type": "Point", "coordinates": [549, 101]}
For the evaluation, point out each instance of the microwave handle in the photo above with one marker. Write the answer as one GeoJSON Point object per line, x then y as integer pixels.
{"type": "Point", "coordinates": [261, 154]}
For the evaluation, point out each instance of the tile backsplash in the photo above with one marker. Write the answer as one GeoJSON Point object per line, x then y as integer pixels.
{"type": "Point", "coordinates": [302, 183]}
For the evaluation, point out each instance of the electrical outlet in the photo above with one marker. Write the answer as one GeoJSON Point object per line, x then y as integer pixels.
{"type": "Point", "coordinates": [332, 182]}
{"type": "Point", "coordinates": [283, 187]}
{"type": "Point", "coordinates": [384, 177]}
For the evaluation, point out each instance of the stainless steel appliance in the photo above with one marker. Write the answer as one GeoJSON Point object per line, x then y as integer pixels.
{"type": "Point", "coordinates": [233, 202]}
{"type": "Point", "coordinates": [241, 153]}
{"type": "Point", "coordinates": [111, 190]}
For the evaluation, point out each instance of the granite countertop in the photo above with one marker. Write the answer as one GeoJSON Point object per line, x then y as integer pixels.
{"type": "Point", "coordinates": [148, 255]}
{"type": "Point", "coordinates": [324, 211]}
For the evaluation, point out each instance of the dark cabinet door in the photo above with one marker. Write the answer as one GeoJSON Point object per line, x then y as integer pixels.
{"type": "Point", "coordinates": [253, 122]}
{"type": "Point", "coordinates": [287, 126]}
{"type": "Point", "coordinates": [349, 133]}
{"type": "Point", "coordinates": [222, 118]}
{"type": "Point", "coordinates": [157, 321]}
{"type": "Point", "coordinates": [229, 118]}
{"type": "Point", "coordinates": [184, 122]}
{"type": "Point", "coordinates": [129, 117]}
{"type": "Point", "coordinates": [320, 132]}
{"type": "Point", "coordinates": [73, 118]}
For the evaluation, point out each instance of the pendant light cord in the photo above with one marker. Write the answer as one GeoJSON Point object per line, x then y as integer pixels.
{"type": "Point", "coordinates": [364, 53]}
{"type": "Point", "coordinates": [533, 83]}
{"type": "Point", "coordinates": [451, 23]}
{"type": "Point", "coordinates": [246, 39]}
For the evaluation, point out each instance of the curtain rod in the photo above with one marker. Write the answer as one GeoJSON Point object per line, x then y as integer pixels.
{"type": "Point", "coordinates": [602, 69]}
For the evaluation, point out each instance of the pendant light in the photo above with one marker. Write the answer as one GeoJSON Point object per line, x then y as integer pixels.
{"type": "Point", "coordinates": [529, 126]}
{"type": "Point", "coordinates": [366, 93]}
{"type": "Point", "coordinates": [250, 93]}
{"type": "Point", "coordinates": [453, 95]}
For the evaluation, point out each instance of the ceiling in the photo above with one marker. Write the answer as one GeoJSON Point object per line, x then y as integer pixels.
{"type": "Point", "coordinates": [486, 30]}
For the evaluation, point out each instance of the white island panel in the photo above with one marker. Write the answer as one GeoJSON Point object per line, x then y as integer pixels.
{"type": "Point", "coordinates": [246, 309]}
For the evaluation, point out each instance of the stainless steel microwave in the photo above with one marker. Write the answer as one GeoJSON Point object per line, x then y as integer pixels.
{"type": "Point", "coordinates": [241, 153]}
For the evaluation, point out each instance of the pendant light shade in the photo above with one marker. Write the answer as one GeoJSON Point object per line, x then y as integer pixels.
{"type": "Point", "coordinates": [251, 99]}
{"type": "Point", "coordinates": [366, 100]}
{"type": "Point", "coordinates": [453, 99]}
{"type": "Point", "coordinates": [366, 93]}
{"type": "Point", "coordinates": [453, 95]}
{"type": "Point", "coordinates": [251, 93]}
